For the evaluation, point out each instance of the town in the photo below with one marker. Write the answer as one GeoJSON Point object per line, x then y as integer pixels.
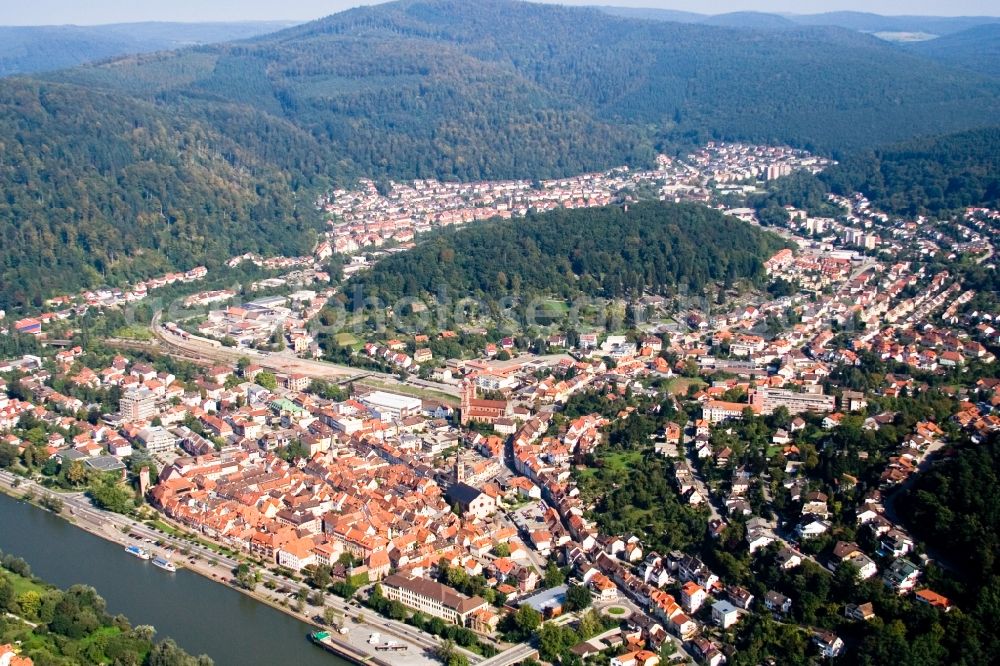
{"type": "Point", "coordinates": [623, 497]}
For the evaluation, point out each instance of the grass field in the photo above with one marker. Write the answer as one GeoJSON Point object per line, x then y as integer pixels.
{"type": "Point", "coordinates": [679, 385]}
{"type": "Point", "coordinates": [621, 461]}
{"type": "Point", "coordinates": [134, 332]}
{"type": "Point", "coordinates": [346, 339]}
{"type": "Point", "coordinates": [618, 462]}
{"type": "Point", "coordinates": [22, 584]}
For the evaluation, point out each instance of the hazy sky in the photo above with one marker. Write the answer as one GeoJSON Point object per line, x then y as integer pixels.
{"type": "Point", "coordinates": [83, 12]}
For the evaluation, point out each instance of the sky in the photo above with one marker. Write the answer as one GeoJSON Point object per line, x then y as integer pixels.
{"type": "Point", "coordinates": [90, 12]}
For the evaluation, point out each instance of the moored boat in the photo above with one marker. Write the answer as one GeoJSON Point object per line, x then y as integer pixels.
{"type": "Point", "coordinates": [164, 564]}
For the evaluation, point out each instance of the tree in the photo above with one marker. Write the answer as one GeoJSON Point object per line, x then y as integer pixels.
{"type": "Point", "coordinates": [590, 624]}
{"type": "Point", "coordinates": [6, 594]}
{"type": "Point", "coordinates": [28, 604]}
{"type": "Point", "coordinates": [502, 550]}
{"type": "Point", "coordinates": [578, 597]}
{"type": "Point", "coordinates": [246, 576]}
{"type": "Point", "coordinates": [445, 650]}
{"type": "Point", "coordinates": [553, 576]}
{"type": "Point", "coordinates": [108, 493]}
{"type": "Point", "coordinates": [168, 653]}
{"type": "Point", "coordinates": [331, 616]}
{"type": "Point", "coordinates": [321, 576]}
{"type": "Point", "coordinates": [527, 620]}
{"type": "Point", "coordinates": [553, 640]}
{"type": "Point", "coordinates": [8, 455]}
{"type": "Point", "coordinates": [76, 473]}
{"type": "Point", "coordinates": [267, 380]}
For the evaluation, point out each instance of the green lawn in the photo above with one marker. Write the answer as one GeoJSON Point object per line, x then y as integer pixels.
{"type": "Point", "coordinates": [346, 339]}
{"type": "Point", "coordinates": [134, 332]}
{"type": "Point", "coordinates": [679, 385]}
{"type": "Point", "coordinates": [22, 584]}
{"type": "Point", "coordinates": [621, 461]}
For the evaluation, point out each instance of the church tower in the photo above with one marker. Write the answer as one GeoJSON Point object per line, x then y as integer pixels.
{"type": "Point", "coordinates": [468, 395]}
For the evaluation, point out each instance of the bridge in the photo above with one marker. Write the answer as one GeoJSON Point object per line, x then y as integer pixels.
{"type": "Point", "coordinates": [515, 655]}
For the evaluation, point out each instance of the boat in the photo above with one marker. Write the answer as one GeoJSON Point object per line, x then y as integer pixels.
{"type": "Point", "coordinates": [136, 551]}
{"type": "Point", "coordinates": [164, 564]}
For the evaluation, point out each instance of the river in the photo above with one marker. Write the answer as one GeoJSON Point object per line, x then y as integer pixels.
{"type": "Point", "coordinates": [204, 617]}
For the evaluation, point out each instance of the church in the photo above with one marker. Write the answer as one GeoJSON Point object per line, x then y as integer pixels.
{"type": "Point", "coordinates": [483, 411]}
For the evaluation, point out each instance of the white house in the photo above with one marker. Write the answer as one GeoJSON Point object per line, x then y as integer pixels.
{"type": "Point", "coordinates": [725, 614]}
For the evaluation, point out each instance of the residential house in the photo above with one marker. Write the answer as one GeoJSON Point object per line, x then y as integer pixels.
{"type": "Point", "coordinates": [725, 614]}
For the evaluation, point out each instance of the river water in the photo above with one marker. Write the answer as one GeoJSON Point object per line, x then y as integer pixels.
{"type": "Point", "coordinates": [204, 617]}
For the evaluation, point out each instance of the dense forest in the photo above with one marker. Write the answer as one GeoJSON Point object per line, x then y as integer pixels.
{"type": "Point", "coordinates": [610, 252]}
{"type": "Point", "coordinates": [493, 87]}
{"type": "Point", "coordinates": [977, 49]}
{"type": "Point", "coordinates": [936, 175]}
{"type": "Point", "coordinates": [99, 189]}
{"type": "Point", "coordinates": [120, 169]}
{"type": "Point", "coordinates": [860, 21]}
{"type": "Point", "coordinates": [926, 175]}
{"type": "Point", "coordinates": [956, 507]}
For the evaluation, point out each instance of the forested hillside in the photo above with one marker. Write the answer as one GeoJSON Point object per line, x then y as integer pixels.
{"type": "Point", "coordinates": [956, 506]}
{"type": "Point", "coordinates": [28, 49]}
{"type": "Point", "coordinates": [121, 169]}
{"type": "Point", "coordinates": [860, 21]}
{"type": "Point", "coordinates": [653, 247]}
{"type": "Point", "coordinates": [926, 175]}
{"type": "Point", "coordinates": [454, 87]}
{"type": "Point", "coordinates": [98, 188]}
{"type": "Point", "coordinates": [977, 49]}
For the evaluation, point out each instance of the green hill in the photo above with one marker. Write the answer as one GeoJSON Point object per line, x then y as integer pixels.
{"type": "Point", "coordinates": [27, 49]}
{"type": "Point", "coordinates": [454, 87]}
{"type": "Point", "coordinates": [933, 175]}
{"type": "Point", "coordinates": [859, 21]}
{"type": "Point", "coordinates": [100, 188]}
{"type": "Point", "coordinates": [651, 248]}
{"type": "Point", "coordinates": [977, 49]}
{"type": "Point", "coordinates": [115, 170]}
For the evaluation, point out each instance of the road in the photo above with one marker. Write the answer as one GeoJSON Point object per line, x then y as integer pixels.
{"type": "Point", "coordinates": [889, 500]}
{"type": "Point", "coordinates": [285, 363]}
{"type": "Point", "coordinates": [118, 528]}
{"type": "Point", "coordinates": [687, 441]}
{"type": "Point", "coordinates": [516, 654]}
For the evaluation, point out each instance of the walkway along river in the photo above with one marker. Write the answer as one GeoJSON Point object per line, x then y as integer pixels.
{"type": "Point", "coordinates": [203, 616]}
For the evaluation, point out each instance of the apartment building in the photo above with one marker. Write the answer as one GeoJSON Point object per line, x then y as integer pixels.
{"type": "Point", "coordinates": [138, 405]}
{"type": "Point", "coordinates": [766, 400]}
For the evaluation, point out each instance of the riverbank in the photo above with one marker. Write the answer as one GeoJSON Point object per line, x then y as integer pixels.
{"type": "Point", "coordinates": [74, 625]}
{"type": "Point", "coordinates": [216, 567]}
